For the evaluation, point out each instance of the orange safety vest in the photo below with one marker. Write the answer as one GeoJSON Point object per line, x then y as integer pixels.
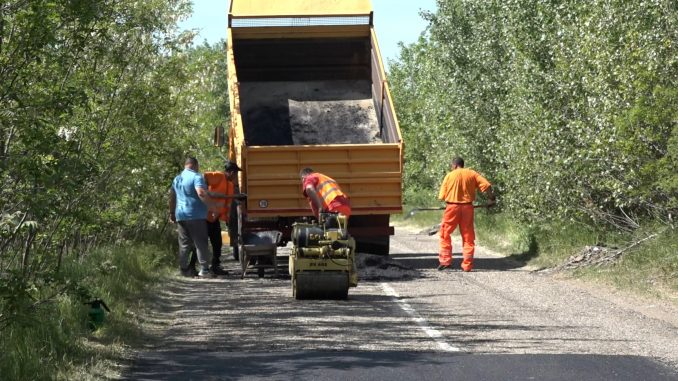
{"type": "Point", "coordinates": [217, 182]}
{"type": "Point", "coordinates": [328, 189]}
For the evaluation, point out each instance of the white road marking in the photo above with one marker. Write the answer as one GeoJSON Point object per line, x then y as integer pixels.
{"type": "Point", "coordinates": [421, 322]}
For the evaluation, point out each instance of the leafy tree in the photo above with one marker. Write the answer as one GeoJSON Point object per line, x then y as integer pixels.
{"type": "Point", "coordinates": [100, 102]}
{"type": "Point", "coordinates": [567, 106]}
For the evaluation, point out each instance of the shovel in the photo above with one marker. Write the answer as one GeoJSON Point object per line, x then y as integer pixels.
{"type": "Point", "coordinates": [433, 230]}
{"type": "Point", "coordinates": [415, 210]}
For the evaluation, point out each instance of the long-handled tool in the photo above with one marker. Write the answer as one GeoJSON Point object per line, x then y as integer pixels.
{"type": "Point", "coordinates": [415, 210]}
{"type": "Point", "coordinates": [433, 230]}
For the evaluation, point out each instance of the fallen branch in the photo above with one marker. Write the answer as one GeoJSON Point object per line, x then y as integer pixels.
{"type": "Point", "coordinates": [599, 255]}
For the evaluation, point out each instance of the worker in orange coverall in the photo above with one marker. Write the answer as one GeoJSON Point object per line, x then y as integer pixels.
{"type": "Point", "coordinates": [458, 190]}
{"type": "Point", "coordinates": [323, 193]}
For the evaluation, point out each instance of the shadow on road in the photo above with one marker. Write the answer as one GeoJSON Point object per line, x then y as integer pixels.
{"type": "Point", "coordinates": [430, 261]}
{"type": "Point", "coordinates": [393, 365]}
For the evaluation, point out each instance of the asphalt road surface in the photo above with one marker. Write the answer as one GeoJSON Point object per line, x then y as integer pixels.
{"type": "Point", "coordinates": [407, 321]}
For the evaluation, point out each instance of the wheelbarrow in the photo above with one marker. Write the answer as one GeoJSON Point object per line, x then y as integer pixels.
{"type": "Point", "coordinates": [259, 250]}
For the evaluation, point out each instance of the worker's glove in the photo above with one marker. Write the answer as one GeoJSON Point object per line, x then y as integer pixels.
{"type": "Point", "coordinates": [241, 196]}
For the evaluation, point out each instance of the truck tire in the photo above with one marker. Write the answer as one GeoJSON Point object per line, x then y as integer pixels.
{"type": "Point", "coordinates": [243, 264]}
{"type": "Point", "coordinates": [242, 254]}
{"type": "Point", "coordinates": [236, 252]}
{"type": "Point", "coordinates": [233, 229]}
{"type": "Point", "coordinates": [374, 245]}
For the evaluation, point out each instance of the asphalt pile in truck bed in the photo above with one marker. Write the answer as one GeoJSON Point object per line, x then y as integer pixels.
{"type": "Point", "coordinates": [309, 113]}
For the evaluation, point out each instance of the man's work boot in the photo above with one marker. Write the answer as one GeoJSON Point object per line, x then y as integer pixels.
{"type": "Point", "coordinates": [219, 271]}
{"type": "Point", "coordinates": [444, 267]}
{"type": "Point", "coordinates": [467, 265]}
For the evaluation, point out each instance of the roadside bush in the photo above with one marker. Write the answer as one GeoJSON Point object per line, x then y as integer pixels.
{"type": "Point", "coordinates": [415, 196]}
{"type": "Point", "coordinates": [568, 107]}
{"type": "Point", "coordinates": [46, 330]}
{"type": "Point", "coordinates": [100, 102]}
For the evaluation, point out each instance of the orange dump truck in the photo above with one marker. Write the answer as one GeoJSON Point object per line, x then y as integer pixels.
{"type": "Point", "coordinates": [307, 88]}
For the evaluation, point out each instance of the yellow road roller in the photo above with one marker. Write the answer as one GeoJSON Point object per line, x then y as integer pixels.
{"type": "Point", "coordinates": [322, 262]}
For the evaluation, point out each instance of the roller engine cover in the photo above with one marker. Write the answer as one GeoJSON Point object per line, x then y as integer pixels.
{"type": "Point", "coordinates": [307, 235]}
{"type": "Point", "coordinates": [322, 263]}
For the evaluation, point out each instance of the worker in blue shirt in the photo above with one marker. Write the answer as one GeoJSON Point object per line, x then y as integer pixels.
{"type": "Point", "coordinates": [188, 209]}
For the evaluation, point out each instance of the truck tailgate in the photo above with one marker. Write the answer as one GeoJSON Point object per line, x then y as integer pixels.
{"type": "Point", "coordinates": [371, 175]}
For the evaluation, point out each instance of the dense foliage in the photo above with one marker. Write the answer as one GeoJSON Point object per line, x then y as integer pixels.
{"type": "Point", "coordinates": [100, 101]}
{"type": "Point", "coordinates": [569, 107]}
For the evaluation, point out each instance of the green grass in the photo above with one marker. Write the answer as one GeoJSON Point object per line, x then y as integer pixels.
{"type": "Point", "coordinates": [54, 341]}
{"type": "Point", "coordinates": [542, 245]}
{"type": "Point", "coordinates": [649, 268]}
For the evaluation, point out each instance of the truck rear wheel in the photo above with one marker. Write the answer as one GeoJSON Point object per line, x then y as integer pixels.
{"type": "Point", "coordinates": [233, 229]}
{"type": "Point", "coordinates": [374, 245]}
{"type": "Point", "coordinates": [242, 254]}
{"type": "Point", "coordinates": [236, 252]}
{"type": "Point", "coordinates": [372, 233]}
{"type": "Point", "coordinates": [243, 264]}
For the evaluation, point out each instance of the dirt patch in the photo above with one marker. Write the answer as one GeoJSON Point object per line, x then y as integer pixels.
{"type": "Point", "coordinates": [314, 112]}
{"type": "Point", "coordinates": [378, 268]}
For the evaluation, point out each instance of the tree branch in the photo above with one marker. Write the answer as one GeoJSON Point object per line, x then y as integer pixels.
{"type": "Point", "coordinates": [16, 230]}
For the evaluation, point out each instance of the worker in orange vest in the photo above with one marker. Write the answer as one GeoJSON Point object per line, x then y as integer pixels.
{"type": "Point", "coordinates": [220, 188]}
{"type": "Point", "coordinates": [458, 190]}
{"type": "Point", "coordinates": [323, 193]}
